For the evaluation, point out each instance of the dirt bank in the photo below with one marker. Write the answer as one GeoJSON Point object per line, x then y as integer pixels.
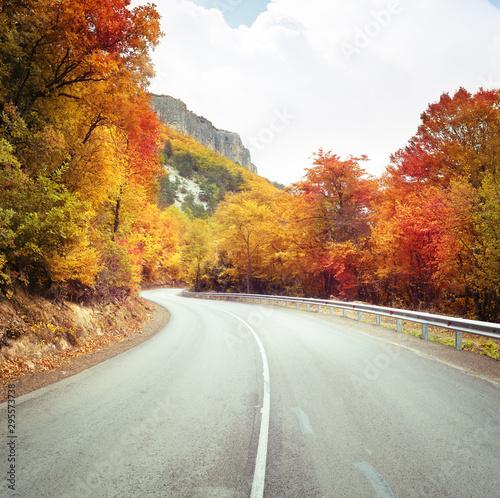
{"type": "Point", "coordinates": [42, 342]}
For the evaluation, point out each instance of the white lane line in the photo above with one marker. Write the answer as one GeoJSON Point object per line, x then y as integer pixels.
{"type": "Point", "coordinates": [304, 422]}
{"type": "Point", "coordinates": [381, 488]}
{"type": "Point", "coordinates": [259, 474]}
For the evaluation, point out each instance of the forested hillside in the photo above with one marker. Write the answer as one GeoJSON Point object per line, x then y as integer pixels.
{"type": "Point", "coordinates": [78, 145]}
{"type": "Point", "coordinates": [424, 236]}
{"type": "Point", "coordinates": [84, 199]}
{"type": "Point", "coordinates": [215, 174]}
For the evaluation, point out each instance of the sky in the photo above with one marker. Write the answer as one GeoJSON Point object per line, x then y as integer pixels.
{"type": "Point", "coordinates": [351, 77]}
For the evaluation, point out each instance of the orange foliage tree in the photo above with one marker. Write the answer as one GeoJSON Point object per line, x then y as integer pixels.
{"type": "Point", "coordinates": [426, 235]}
{"type": "Point", "coordinates": [76, 119]}
{"type": "Point", "coordinates": [445, 179]}
{"type": "Point", "coordinates": [338, 198]}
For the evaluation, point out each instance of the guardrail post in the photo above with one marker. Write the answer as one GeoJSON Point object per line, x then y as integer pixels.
{"type": "Point", "coordinates": [425, 331]}
{"type": "Point", "coordinates": [288, 304]}
{"type": "Point", "coordinates": [458, 339]}
{"type": "Point", "coordinates": [331, 310]}
{"type": "Point", "coordinates": [319, 308]}
{"type": "Point", "coordinates": [399, 325]}
{"type": "Point", "coordinates": [344, 312]}
{"type": "Point", "coordinates": [360, 316]}
{"type": "Point", "coordinates": [307, 306]}
{"type": "Point", "coordinates": [296, 304]}
{"type": "Point", "coordinates": [378, 320]}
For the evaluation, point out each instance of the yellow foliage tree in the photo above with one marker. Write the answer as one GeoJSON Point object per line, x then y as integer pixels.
{"type": "Point", "coordinates": [244, 222]}
{"type": "Point", "coordinates": [195, 253]}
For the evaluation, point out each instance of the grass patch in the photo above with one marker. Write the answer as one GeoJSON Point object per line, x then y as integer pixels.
{"type": "Point", "coordinates": [444, 340]}
{"type": "Point", "coordinates": [489, 348]}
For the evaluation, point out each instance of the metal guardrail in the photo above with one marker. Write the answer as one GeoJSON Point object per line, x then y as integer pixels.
{"type": "Point", "coordinates": [457, 325]}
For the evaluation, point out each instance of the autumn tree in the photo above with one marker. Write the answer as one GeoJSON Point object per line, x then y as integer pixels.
{"type": "Point", "coordinates": [339, 196]}
{"type": "Point", "coordinates": [76, 126]}
{"type": "Point", "coordinates": [458, 137]}
{"type": "Point", "coordinates": [287, 254]}
{"type": "Point", "coordinates": [157, 237]}
{"type": "Point", "coordinates": [52, 48]}
{"type": "Point", "coordinates": [456, 150]}
{"type": "Point", "coordinates": [243, 223]}
{"type": "Point", "coordinates": [195, 253]}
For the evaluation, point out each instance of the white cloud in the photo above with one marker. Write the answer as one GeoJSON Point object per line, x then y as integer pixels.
{"type": "Point", "coordinates": [348, 76]}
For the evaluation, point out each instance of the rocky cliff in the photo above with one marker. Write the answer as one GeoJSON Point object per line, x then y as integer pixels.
{"type": "Point", "coordinates": [175, 114]}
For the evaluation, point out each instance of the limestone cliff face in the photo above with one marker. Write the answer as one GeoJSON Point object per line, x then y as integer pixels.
{"type": "Point", "coordinates": [174, 113]}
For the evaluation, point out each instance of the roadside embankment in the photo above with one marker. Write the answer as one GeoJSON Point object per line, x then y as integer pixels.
{"type": "Point", "coordinates": [42, 341]}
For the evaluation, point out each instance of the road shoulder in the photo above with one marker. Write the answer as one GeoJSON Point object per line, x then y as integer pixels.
{"type": "Point", "coordinates": [38, 379]}
{"type": "Point", "coordinates": [475, 364]}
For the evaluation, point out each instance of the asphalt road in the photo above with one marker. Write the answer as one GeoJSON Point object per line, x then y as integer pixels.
{"type": "Point", "coordinates": [230, 398]}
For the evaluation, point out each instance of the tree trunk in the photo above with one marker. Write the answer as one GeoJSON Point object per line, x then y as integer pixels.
{"type": "Point", "coordinates": [117, 217]}
{"type": "Point", "coordinates": [248, 267]}
{"type": "Point", "coordinates": [198, 278]}
{"type": "Point", "coordinates": [248, 275]}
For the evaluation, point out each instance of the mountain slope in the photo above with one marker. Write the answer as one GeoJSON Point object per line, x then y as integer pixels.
{"type": "Point", "coordinates": [175, 114]}
{"type": "Point", "coordinates": [197, 178]}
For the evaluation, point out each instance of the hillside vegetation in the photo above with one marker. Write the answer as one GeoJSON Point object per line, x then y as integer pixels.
{"type": "Point", "coordinates": [215, 174]}
{"type": "Point", "coordinates": [84, 208]}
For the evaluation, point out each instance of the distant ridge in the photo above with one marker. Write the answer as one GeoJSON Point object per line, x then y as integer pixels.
{"type": "Point", "coordinates": [175, 114]}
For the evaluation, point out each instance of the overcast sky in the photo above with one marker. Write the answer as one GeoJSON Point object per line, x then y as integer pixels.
{"type": "Point", "coordinates": [353, 77]}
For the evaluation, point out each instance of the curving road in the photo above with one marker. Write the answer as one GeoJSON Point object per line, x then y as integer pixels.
{"type": "Point", "coordinates": [237, 400]}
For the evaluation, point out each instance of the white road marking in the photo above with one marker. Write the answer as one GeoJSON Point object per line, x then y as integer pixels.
{"type": "Point", "coordinates": [259, 474]}
{"type": "Point", "coordinates": [381, 488]}
{"type": "Point", "coordinates": [304, 422]}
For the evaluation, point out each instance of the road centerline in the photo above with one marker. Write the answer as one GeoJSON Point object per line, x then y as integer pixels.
{"type": "Point", "coordinates": [259, 475]}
